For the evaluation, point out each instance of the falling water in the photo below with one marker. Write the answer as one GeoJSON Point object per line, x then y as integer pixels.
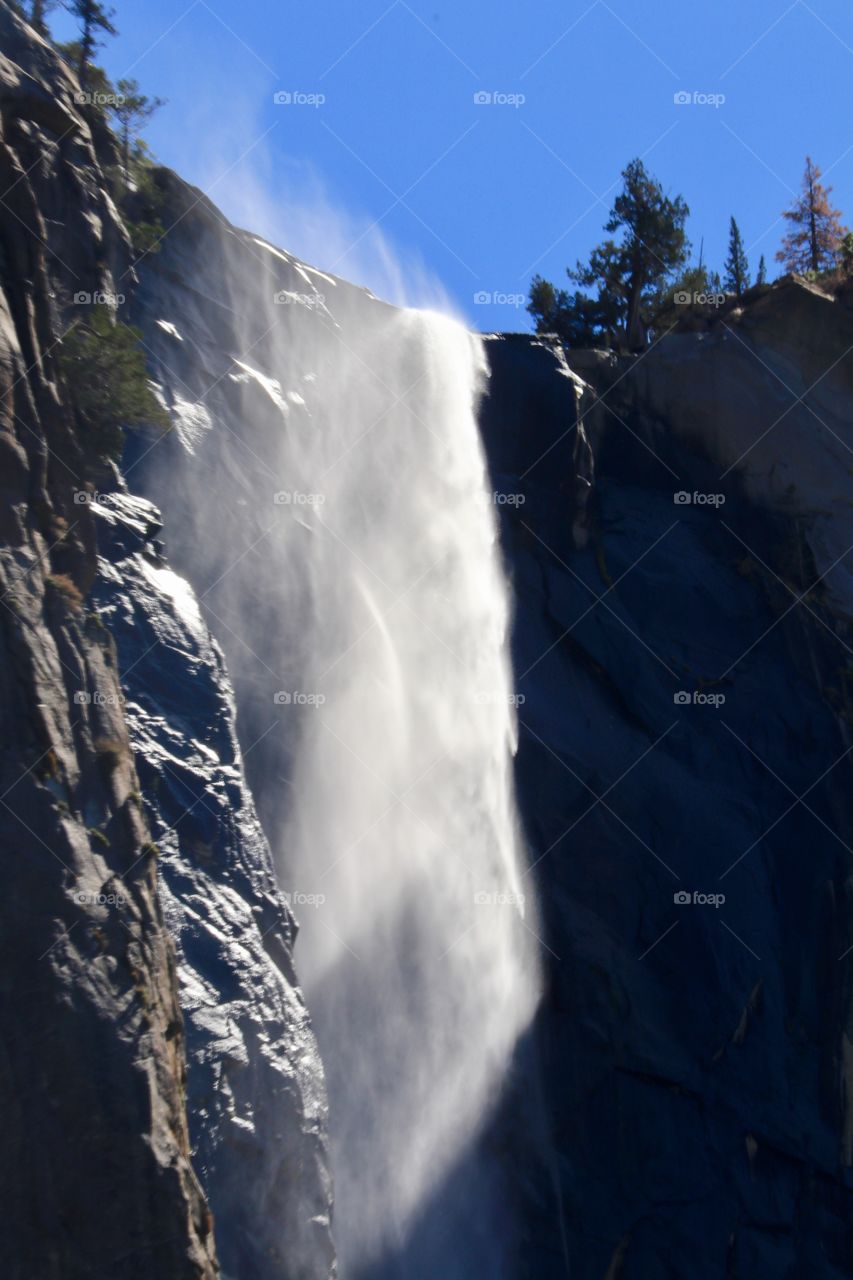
{"type": "Point", "coordinates": [417, 965]}
{"type": "Point", "coordinates": [336, 502]}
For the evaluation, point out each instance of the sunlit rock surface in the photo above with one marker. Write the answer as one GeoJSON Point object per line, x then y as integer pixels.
{"type": "Point", "coordinates": [98, 1164]}
{"type": "Point", "coordinates": [96, 1178]}
{"type": "Point", "coordinates": [255, 1095]}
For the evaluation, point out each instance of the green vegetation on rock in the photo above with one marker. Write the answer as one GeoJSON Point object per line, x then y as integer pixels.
{"type": "Point", "coordinates": [104, 368]}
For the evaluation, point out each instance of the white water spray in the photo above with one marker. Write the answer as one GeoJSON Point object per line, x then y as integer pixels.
{"type": "Point", "coordinates": [372, 592]}
{"type": "Point", "coordinates": [418, 966]}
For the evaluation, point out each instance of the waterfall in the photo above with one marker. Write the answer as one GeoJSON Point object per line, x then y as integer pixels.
{"type": "Point", "coordinates": [328, 494]}
{"type": "Point", "coordinates": [417, 963]}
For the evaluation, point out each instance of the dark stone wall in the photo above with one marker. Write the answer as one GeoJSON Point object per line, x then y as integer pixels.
{"type": "Point", "coordinates": [694, 1057]}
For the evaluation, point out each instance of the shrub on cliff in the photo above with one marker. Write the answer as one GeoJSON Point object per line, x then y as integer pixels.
{"type": "Point", "coordinates": [141, 201]}
{"type": "Point", "coordinates": [104, 369]}
{"type": "Point", "coordinates": [694, 292]}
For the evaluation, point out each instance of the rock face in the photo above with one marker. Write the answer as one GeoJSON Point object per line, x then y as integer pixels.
{"type": "Point", "coordinates": [677, 531]}
{"type": "Point", "coordinates": [685, 730]}
{"type": "Point", "coordinates": [766, 393]}
{"type": "Point", "coordinates": [691, 1058]}
{"type": "Point", "coordinates": [138, 884]}
{"type": "Point", "coordinates": [96, 1176]}
{"type": "Point", "coordinates": [255, 1094]}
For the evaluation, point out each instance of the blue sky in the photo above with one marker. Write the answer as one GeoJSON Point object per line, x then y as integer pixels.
{"type": "Point", "coordinates": [398, 162]}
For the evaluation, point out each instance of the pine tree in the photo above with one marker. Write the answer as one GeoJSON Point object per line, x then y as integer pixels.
{"type": "Point", "coordinates": [736, 267]}
{"type": "Point", "coordinates": [761, 278]}
{"type": "Point", "coordinates": [816, 230]}
{"type": "Point", "coordinates": [39, 10]}
{"type": "Point", "coordinates": [94, 19]}
{"type": "Point", "coordinates": [543, 304]}
{"type": "Point", "coordinates": [629, 273]}
{"type": "Point", "coordinates": [131, 110]}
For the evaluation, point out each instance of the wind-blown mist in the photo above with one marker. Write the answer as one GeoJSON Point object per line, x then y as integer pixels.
{"type": "Point", "coordinates": [334, 513]}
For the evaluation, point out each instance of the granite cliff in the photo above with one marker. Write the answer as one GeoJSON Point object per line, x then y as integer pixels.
{"type": "Point", "coordinates": [676, 530]}
{"type": "Point", "coordinates": [678, 535]}
{"type": "Point", "coordinates": [157, 1054]}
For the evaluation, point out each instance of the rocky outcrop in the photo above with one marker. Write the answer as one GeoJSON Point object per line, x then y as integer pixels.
{"type": "Point", "coordinates": [255, 1096]}
{"type": "Point", "coordinates": [765, 393]}
{"type": "Point", "coordinates": [138, 894]}
{"type": "Point", "coordinates": [684, 779]}
{"type": "Point", "coordinates": [96, 1174]}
